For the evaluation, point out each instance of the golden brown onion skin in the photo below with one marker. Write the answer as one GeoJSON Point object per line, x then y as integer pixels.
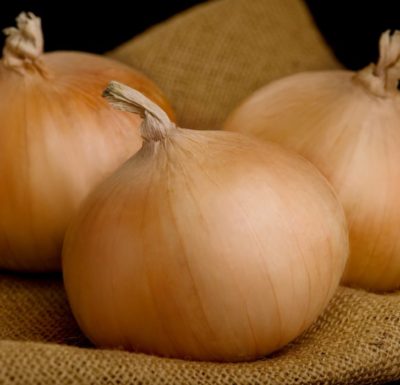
{"type": "Point", "coordinates": [353, 137]}
{"type": "Point", "coordinates": [207, 246]}
{"type": "Point", "coordinates": [58, 139]}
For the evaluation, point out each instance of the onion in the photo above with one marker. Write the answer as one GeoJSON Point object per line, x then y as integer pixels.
{"type": "Point", "coordinates": [348, 124]}
{"type": "Point", "coordinates": [58, 139]}
{"type": "Point", "coordinates": [205, 245]}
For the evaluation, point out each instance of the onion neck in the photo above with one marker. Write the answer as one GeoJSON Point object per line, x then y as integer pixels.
{"type": "Point", "coordinates": [24, 45]}
{"type": "Point", "coordinates": [382, 79]}
{"type": "Point", "coordinates": [156, 123]}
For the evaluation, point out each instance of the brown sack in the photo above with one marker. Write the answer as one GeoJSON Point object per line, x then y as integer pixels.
{"type": "Point", "coordinates": [355, 341]}
{"type": "Point", "coordinates": [209, 58]}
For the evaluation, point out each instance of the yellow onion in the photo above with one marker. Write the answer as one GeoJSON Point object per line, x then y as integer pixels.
{"type": "Point", "coordinates": [205, 245]}
{"type": "Point", "coordinates": [58, 139]}
{"type": "Point", "coordinates": [348, 124]}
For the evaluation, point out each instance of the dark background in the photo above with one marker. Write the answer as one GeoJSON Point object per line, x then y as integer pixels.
{"type": "Point", "coordinates": [351, 27]}
{"type": "Point", "coordinates": [93, 26]}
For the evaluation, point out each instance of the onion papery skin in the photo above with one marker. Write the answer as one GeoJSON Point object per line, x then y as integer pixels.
{"type": "Point", "coordinates": [207, 246]}
{"type": "Point", "coordinates": [352, 135]}
{"type": "Point", "coordinates": [58, 139]}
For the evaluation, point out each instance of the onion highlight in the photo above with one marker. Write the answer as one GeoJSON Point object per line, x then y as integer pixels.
{"type": "Point", "coordinates": [205, 245]}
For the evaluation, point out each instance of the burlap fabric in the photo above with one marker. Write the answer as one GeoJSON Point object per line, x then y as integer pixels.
{"type": "Point", "coordinates": [355, 341]}
{"type": "Point", "coordinates": [208, 59]}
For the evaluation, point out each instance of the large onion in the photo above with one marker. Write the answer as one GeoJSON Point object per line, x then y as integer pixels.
{"type": "Point", "coordinates": [58, 139]}
{"type": "Point", "coordinates": [348, 124]}
{"type": "Point", "coordinates": [205, 245]}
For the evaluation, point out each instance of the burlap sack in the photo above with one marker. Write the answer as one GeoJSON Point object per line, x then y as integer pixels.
{"type": "Point", "coordinates": [355, 341]}
{"type": "Point", "coordinates": [208, 59]}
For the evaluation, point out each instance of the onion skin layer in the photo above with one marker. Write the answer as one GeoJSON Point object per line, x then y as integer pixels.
{"type": "Point", "coordinates": [349, 128]}
{"type": "Point", "coordinates": [206, 245]}
{"type": "Point", "coordinates": [58, 139]}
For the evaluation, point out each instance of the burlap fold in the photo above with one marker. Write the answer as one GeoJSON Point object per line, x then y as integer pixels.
{"type": "Point", "coordinates": [355, 341]}
{"type": "Point", "coordinates": [209, 58]}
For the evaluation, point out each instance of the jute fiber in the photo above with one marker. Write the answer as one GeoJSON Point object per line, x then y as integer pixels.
{"type": "Point", "coordinates": [209, 58]}
{"type": "Point", "coordinates": [355, 341]}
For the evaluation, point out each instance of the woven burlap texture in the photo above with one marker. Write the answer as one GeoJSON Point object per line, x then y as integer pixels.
{"type": "Point", "coordinates": [355, 341]}
{"type": "Point", "coordinates": [208, 59]}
